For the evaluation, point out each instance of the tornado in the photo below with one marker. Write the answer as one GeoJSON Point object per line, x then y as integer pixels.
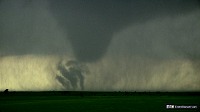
{"type": "Point", "coordinates": [71, 75]}
{"type": "Point", "coordinates": [122, 42]}
{"type": "Point", "coordinates": [90, 24]}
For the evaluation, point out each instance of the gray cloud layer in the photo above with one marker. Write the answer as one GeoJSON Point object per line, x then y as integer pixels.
{"type": "Point", "coordinates": [29, 28]}
{"type": "Point", "coordinates": [89, 25]}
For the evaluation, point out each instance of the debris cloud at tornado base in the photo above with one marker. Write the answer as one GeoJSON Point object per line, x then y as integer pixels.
{"type": "Point", "coordinates": [71, 75]}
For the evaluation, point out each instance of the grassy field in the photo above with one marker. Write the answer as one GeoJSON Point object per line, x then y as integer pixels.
{"type": "Point", "coordinates": [100, 102]}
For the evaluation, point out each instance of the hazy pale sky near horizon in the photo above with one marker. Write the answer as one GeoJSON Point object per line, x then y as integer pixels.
{"type": "Point", "coordinates": [126, 45]}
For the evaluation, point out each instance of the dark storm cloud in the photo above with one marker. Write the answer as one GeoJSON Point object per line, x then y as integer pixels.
{"type": "Point", "coordinates": [90, 24]}
{"type": "Point", "coordinates": [28, 27]}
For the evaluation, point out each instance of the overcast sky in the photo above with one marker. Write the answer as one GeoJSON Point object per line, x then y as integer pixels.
{"type": "Point", "coordinates": [128, 45]}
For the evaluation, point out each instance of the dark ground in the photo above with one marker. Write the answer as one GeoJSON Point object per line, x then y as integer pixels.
{"type": "Point", "coordinates": [71, 101]}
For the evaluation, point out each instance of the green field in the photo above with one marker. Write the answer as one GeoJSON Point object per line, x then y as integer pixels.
{"type": "Point", "coordinates": [101, 102]}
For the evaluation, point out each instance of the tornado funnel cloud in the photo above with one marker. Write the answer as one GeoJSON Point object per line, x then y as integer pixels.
{"type": "Point", "coordinates": [91, 24]}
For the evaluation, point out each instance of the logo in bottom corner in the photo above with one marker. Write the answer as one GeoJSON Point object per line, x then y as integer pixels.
{"type": "Point", "coordinates": [169, 106]}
